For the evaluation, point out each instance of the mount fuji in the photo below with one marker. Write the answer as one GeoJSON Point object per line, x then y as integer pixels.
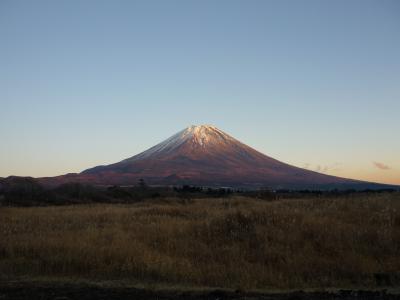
{"type": "Point", "coordinates": [206, 156]}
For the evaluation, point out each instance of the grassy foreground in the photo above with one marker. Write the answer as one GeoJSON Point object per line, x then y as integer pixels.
{"type": "Point", "coordinates": [235, 243]}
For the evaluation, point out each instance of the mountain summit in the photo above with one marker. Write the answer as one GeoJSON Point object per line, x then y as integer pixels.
{"type": "Point", "coordinates": [206, 156]}
{"type": "Point", "coordinates": [194, 138]}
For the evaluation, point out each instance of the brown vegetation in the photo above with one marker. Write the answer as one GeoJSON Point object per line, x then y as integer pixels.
{"type": "Point", "coordinates": [351, 241]}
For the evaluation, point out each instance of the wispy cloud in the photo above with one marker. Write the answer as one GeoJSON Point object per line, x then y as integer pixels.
{"type": "Point", "coordinates": [381, 166]}
{"type": "Point", "coordinates": [322, 168]}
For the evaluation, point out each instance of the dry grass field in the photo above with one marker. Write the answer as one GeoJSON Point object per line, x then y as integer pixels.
{"type": "Point", "coordinates": [239, 243]}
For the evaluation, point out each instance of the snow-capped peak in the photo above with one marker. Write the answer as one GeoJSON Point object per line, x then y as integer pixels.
{"type": "Point", "coordinates": [203, 134]}
{"type": "Point", "coordinates": [197, 136]}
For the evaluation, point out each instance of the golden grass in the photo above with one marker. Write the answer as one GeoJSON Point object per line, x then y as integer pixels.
{"type": "Point", "coordinates": [233, 243]}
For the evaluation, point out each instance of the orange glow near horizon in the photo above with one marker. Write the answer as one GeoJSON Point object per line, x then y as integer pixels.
{"type": "Point", "coordinates": [389, 176]}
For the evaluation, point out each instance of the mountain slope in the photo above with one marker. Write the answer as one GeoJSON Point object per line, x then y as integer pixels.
{"type": "Point", "coordinates": [205, 155]}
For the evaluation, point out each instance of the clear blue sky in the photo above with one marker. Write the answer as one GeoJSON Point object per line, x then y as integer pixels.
{"type": "Point", "coordinates": [312, 83]}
